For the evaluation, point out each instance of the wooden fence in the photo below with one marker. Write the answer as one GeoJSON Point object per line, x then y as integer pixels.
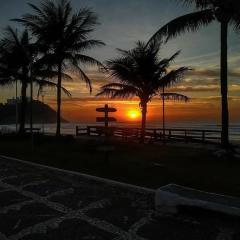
{"type": "Point", "coordinates": [154, 134]}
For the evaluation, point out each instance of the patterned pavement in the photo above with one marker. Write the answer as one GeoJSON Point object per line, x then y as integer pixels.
{"type": "Point", "coordinates": [41, 204]}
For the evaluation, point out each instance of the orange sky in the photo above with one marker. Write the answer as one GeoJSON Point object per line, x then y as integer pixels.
{"type": "Point", "coordinates": [197, 110]}
{"type": "Point", "coordinates": [202, 86]}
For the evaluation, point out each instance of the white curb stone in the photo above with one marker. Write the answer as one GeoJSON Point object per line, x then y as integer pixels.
{"type": "Point", "coordinates": [170, 197]}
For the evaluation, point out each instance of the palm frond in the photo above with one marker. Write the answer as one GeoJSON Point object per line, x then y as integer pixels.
{"type": "Point", "coordinates": [174, 56]}
{"type": "Point", "coordinates": [165, 63]}
{"type": "Point", "coordinates": [188, 23]}
{"type": "Point", "coordinates": [50, 74]}
{"type": "Point", "coordinates": [200, 4]}
{"type": "Point", "coordinates": [88, 18]}
{"type": "Point", "coordinates": [174, 76]}
{"type": "Point", "coordinates": [118, 90]}
{"type": "Point", "coordinates": [12, 34]}
{"type": "Point", "coordinates": [122, 69]}
{"type": "Point", "coordinates": [87, 60]}
{"type": "Point", "coordinates": [44, 83]}
{"type": "Point", "coordinates": [174, 97]}
{"type": "Point", "coordinates": [235, 21]}
{"type": "Point", "coordinates": [83, 76]}
{"type": "Point", "coordinates": [37, 9]}
{"type": "Point", "coordinates": [86, 45]}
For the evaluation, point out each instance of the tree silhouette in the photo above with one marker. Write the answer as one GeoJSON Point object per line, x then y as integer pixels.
{"type": "Point", "coordinates": [140, 72]}
{"type": "Point", "coordinates": [19, 61]}
{"type": "Point", "coordinates": [63, 36]}
{"type": "Point", "coordinates": [226, 12]}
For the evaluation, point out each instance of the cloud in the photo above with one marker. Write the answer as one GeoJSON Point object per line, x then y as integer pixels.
{"type": "Point", "coordinates": [212, 72]}
{"type": "Point", "coordinates": [197, 88]}
{"type": "Point", "coordinates": [205, 80]}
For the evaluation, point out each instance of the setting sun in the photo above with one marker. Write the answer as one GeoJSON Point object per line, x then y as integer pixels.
{"type": "Point", "coordinates": [133, 114]}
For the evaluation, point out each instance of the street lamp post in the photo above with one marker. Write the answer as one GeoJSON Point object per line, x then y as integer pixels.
{"type": "Point", "coordinates": [163, 113]}
{"type": "Point", "coordinates": [43, 113]}
{"type": "Point", "coordinates": [16, 107]}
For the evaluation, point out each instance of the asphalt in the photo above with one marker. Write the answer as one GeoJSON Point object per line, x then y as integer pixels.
{"type": "Point", "coordinates": [37, 203]}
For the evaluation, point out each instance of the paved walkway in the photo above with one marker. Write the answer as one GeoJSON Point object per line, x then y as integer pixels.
{"type": "Point", "coordinates": [41, 204]}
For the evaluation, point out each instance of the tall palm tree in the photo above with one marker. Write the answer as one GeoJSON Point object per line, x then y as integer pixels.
{"type": "Point", "coordinates": [226, 12]}
{"type": "Point", "coordinates": [19, 61]}
{"type": "Point", "coordinates": [64, 36]}
{"type": "Point", "coordinates": [16, 51]}
{"type": "Point", "coordinates": [140, 72]}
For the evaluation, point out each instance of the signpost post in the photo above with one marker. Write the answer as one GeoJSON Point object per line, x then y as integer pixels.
{"type": "Point", "coordinates": [106, 120]}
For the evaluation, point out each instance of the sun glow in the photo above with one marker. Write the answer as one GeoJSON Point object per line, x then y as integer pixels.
{"type": "Point", "coordinates": [133, 114]}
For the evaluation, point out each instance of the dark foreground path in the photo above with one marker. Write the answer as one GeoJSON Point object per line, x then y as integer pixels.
{"type": "Point", "coordinates": [37, 203]}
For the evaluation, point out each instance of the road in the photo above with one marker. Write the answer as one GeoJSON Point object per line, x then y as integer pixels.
{"type": "Point", "coordinates": [37, 203]}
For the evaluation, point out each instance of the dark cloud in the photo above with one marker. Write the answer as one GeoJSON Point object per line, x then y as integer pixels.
{"type": "Point", "coordinates": [212, 73]}
{"type": "Point", "coordinates": [195, 89]}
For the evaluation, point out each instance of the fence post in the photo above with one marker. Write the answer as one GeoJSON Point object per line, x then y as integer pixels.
{"type": "Point", "coordinates": [155, 134]}
{"type": "Point", "coordinates": [203, 136]}
{"type": "Point", "coordinates": [88, 131]}
{"type": "Point", "coordinates": [185, 132]}
{"type": "Point", "coordinates": [124, 136]}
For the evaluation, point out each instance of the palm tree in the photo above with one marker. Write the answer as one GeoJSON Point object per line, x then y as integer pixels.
{"type": "Point", "coordinates": [172, 97]}
{"type": "Point", "coordinates": [140, 72]}
{"type": "Point", "coordinates": [64, 36]}
{"type": "Point", "coordinates": [226, 12]}
{"type": "Point", "coordinates": [16, 52]}
{"type": "Point", "coordinates": [19, 61]}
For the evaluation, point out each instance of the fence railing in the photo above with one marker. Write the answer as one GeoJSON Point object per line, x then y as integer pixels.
{"type": "Point", "coordinates": [153, 134]}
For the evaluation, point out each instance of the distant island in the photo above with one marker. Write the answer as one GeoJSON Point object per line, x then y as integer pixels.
{"type": "Point", "coordinates": [42, 113]}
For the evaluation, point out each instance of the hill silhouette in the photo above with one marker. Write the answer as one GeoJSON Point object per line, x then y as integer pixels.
{"type": "Point", "coordinates": [42, 113]}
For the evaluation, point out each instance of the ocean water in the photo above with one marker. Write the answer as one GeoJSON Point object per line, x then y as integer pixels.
{"type": "Point", "coordinates": [70, 128]}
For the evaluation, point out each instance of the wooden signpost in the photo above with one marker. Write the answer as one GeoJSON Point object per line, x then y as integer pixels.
{"type": "Point", "coordinates": [106, 119]}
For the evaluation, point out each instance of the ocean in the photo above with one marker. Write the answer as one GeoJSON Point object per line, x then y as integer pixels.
{"type": "Point", "coordinates": [70, 128]}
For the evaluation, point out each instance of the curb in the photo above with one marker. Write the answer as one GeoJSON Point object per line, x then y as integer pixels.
{"type": "Point", "coordinates": [90, 177]}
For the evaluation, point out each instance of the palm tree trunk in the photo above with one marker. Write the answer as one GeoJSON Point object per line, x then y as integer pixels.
{"type": "Point", "coordinates": [23, 108]}
{"type": "Point", "coordinates": [224, 83]}
{"type": "Point", "coordinates": [31, 107]}
{"type": "Point", "coordinates": [163, 113]}
{"type": "Point", "coordinates": [59, 98]}
{"type": "Point", "coordinates": [144, 119]}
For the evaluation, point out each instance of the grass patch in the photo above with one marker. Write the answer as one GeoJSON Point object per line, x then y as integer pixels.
{"type": "Point", "coordinates": [144, 165]}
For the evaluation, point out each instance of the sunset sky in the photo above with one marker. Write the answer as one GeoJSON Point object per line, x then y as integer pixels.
{"type": "Point", "coordinates": [122, 24]}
